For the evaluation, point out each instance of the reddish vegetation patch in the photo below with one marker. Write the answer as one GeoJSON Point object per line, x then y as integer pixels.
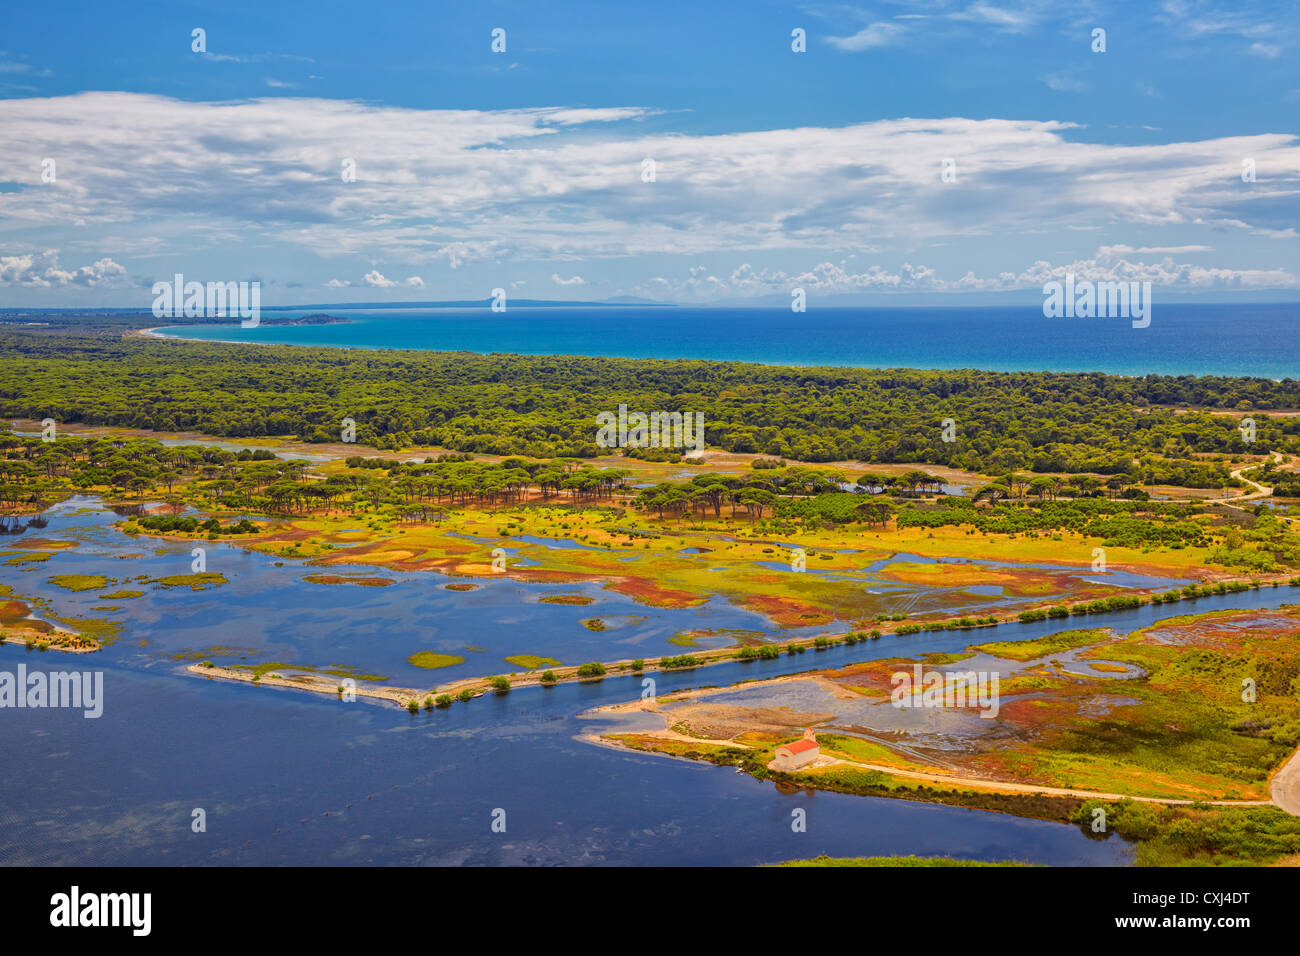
{"type": "Point", "coordinates": [462, 587]}
{"type": "Point", "coordinates": [1037, 712]}
{"type": "Point", "coordinates": [579, 599]}
{"type": "Point", "coordinates": [649, 593]}
{"type": "Point", "coordinates": [14, 614]}
{"type": "Point", "coordinates": [552, 577]}
{"type": "Point", "coordinates": [47, 544]}
{"type": "Point", "coordinates": [1221, 632]}
{"type": "Point", "coordinates": [12, 610]}
{"type": "Point", "coordinates": [338, 579]}
{"type": "Point", "coordinates": [785, 611]}
{"type": "Point", "coordinates": [873, 674]}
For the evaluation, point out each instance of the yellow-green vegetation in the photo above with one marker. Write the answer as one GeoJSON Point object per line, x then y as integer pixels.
{"type": "Point", "coordinates": [80, 582]}
{"type": "Point", "coordinates": [1045, 645]}
{"type": "Point", "coordinates": [31, 557]}
{"type": "Point", "coordinates": [594, 624]}
{"type": "Point", "coordinates": [1198, 835]}
{"type": "Point", "coordinates": [121, 595]}
{"type": "Point", "coordinates": [664, 574]}
{"type": "Point", "coordinates": [195, 582]}
{"type": "Point", "coordinates": [92, 629]}
{"type": "Point", "coordinates": [897, 861]}
{"type": "Point", "coordinates": [361, 580]}
{"type": "Point", "coordinates": [530, 662]}
{"type": "Point", "coordinates": [575, 599]}
{"type": "Point", "coordinates": [431, 660]}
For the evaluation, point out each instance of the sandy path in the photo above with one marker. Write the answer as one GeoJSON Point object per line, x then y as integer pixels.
{"type": "Point", "coordinates": [1285, 786]}
{"type": "Point", "coordinates": [1003, 787]}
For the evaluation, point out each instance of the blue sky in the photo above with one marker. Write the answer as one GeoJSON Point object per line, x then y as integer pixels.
{"type": "Point", "coordinates": [523, 169]}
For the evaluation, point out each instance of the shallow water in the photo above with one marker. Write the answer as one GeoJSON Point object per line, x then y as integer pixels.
{"type": "Point", "coordinates": [276, 769]}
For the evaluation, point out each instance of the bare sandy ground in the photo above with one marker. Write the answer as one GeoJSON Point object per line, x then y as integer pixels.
{"type": "Point", "coordinates": [1285, 786]}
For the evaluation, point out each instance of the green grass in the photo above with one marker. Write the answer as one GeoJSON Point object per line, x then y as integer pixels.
{"type": "Point", "coordinates": [530, 662]}
{"type": "Point", "coordinates": [31, 558]}
{"type": "Point", "coordinates": [1199, 835]}
{"type": "Point", "coordinates": [195, 582]}
{"type": "Point", "coordinates": [430, 660]}
{"type": "Point", "coordinates": [1043, 646]}
{"type": "Point", "coordinates": [80, 582]}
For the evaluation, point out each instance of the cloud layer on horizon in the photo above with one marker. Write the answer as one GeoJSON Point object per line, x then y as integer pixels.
{"type": "Point", "coordinates": [460, 186]}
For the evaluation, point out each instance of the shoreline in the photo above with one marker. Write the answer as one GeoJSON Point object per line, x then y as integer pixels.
{"type": "Point", "coordinates": [1030, 367]}
{"type": "Point", "coordinates": [1284, 781]}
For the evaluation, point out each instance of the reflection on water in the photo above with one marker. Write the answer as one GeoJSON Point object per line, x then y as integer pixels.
{"type": "Point", "coordinates": [290, 778]}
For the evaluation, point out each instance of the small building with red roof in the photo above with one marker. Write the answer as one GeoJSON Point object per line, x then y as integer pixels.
{"type": "Point", "coordinates": [798, 754]}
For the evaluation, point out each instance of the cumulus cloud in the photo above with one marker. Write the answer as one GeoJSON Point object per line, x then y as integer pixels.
{"type": "Point", "coordinates": [41, 269]}
{"type": "Point", "coordinates": [555, 183]}
{"type": "Point", "coordinates": [1111, 263]}
{"type": "Point", "coordinates": [415, 282]}
{"type": "Point", "coordinates": [575, 280]}
{"type": "Point", "coordinates": [338, 283]}
{"type": "Point", "coordinates": [376, 279]}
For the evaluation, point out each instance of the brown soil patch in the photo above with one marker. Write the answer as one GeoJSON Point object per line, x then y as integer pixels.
{"type": "Point", "coordinates": [787, 612]}
{"type": "Point", "coordinates": [654, 595]}
{"type": "Point", "coordinates": [725, 721]}
{"type": "Point", "coordinates": [339, 579]}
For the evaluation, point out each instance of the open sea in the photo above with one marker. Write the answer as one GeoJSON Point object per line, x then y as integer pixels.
{"type": "Point", "coordinates": [1199, 339]}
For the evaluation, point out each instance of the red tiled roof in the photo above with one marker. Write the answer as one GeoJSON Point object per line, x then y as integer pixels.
{"type": "Point", "coordinates": [799, 746]}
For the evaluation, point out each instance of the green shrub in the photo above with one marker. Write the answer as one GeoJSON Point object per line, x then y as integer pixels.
{"type": "Point", "coordinates": [680, 662]}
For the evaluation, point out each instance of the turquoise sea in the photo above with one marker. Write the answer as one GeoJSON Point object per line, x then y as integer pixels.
{"type": "Point", "coordinates": [1199, 339]}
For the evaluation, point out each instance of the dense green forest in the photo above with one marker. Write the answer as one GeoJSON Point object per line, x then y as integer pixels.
{"type": "Point", "coordinates": [545, 407]}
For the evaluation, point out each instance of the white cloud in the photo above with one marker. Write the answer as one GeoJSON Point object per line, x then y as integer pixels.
{"type": "Point", "coordinates": [1063, 84]}
{"type": "Point", "coordinates": [376, 279]}
{"type": "Point", "coordinates": [338, 283]}
{"type": "Point", "coordinates": [41, 269]}
{"type": "Point", "coordinates": [548, 184]}
{"type": "Point", "coordinates": [1109, 264]}
{"type": "Point", "coordinates": [415, 282]}
{"type": "Point", "coordinates": [575, 280]}
{"type": "Point", "coordinates": [874, 35]}
{"type": "Point", "coordinates": [1011, 21]}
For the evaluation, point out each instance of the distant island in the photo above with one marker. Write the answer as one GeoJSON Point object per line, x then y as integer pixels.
{"type": "Point", "coordinates": [316, 318]}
